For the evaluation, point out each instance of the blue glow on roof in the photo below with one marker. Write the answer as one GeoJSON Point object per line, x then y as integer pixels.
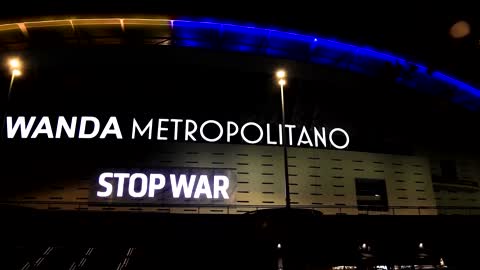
{"type": "Point", "coordinates": [277, 43]}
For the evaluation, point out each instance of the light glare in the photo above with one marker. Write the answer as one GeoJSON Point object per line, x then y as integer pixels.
{"type": "Point", "coordinates": [14, 63]}
{"type": "Point", "coordinates": [282, 82]}
{"type": "Point", "coordinates": [16, 72]}
{"type": "Point", "coordinates": [281, 74]}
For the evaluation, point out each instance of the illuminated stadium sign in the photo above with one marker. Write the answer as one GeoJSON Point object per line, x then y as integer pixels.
{"type": "Point", "coordinates": [187, 130]}
{"type": "Point", "coordinates": [167, 185]}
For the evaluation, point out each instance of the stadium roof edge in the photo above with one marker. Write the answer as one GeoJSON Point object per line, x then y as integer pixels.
{"type": "Point", "coordinates": [256, 40]}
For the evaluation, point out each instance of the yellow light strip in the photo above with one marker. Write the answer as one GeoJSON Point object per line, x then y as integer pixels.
{"type": "Point", "coordinates": [23, 28]}
{"type": "Point", "coordinates": [9, 26]}
{"type": "Point", "coordinates": [122, 22]}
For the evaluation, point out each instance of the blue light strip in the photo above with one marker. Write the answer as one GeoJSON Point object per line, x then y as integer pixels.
{"type": "Point", "coordinates": [314, 49]}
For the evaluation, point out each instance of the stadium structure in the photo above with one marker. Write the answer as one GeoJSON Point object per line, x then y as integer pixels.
{"type": "Point", "coordinates": [376, 143]}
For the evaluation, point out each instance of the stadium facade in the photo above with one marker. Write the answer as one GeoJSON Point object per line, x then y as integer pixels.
{"type": "Point", "coordinates": [326, 180]}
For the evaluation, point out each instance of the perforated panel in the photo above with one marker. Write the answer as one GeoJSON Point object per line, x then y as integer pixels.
{"type": "Point", "coordinates": [454, 194]}
{"type": "Point", "coordinates": [319, 179]}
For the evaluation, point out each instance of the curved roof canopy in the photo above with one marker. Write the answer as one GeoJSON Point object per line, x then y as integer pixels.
{"type": "Point", "coordinates": [245, 39]}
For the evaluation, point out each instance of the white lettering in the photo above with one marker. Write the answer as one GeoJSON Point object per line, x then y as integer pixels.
{"type": "Point", "coordinates": [175, 128]}
{"type": "Point", "coordinates": [24, 130]}
{"type": "Point", "coordinates": [320, 136]}
{"type": "Point", "coordinates": [112, 128]}
{"type": "Point", "coordinates": [219, 134]}
{"type": "Point", "coordinates": [203, 187]}
{"type": "Point", "coordinates": [304, 133]}
{"type": "Point", "coordinates": [142, 131]}
{"type": "Point", "coordinates": [182, 185]}
{"type": "Point", "coordinates": [160, 129]}
{"type": "Point", "coordinates": [63, 125]}
{"type": "Point", "coordinates": [153, 186]}
{"type": "Point", "coordinates": [280, 134]}
{"type": "Point", "coordinates": [269, 141]}
{"type": "Point", "coordinates": [231, 133]}
{"type": "Point", "coordinates": [220, 188]}
{"type": "Point", "coordinates": [83, 126]}
{"type": "Point", "coordinates": [330, 137]}
{"type": "Point", "coordinates": [121, 182]}
{"type": "Point", "coordinates": [188, 132]}
{"type": "Point", "coordinates": [242, 133]}
{"type": "Point", "coordinates": [43, 127]}
{"type": "Point", "coordinates": [108, 187]}
{"type": "Point", "coordinates": [290, 136]}
{"type": "Point", "coordinates": [147, 185]}
{"type": "Point", "coordinates": [143, 188]}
